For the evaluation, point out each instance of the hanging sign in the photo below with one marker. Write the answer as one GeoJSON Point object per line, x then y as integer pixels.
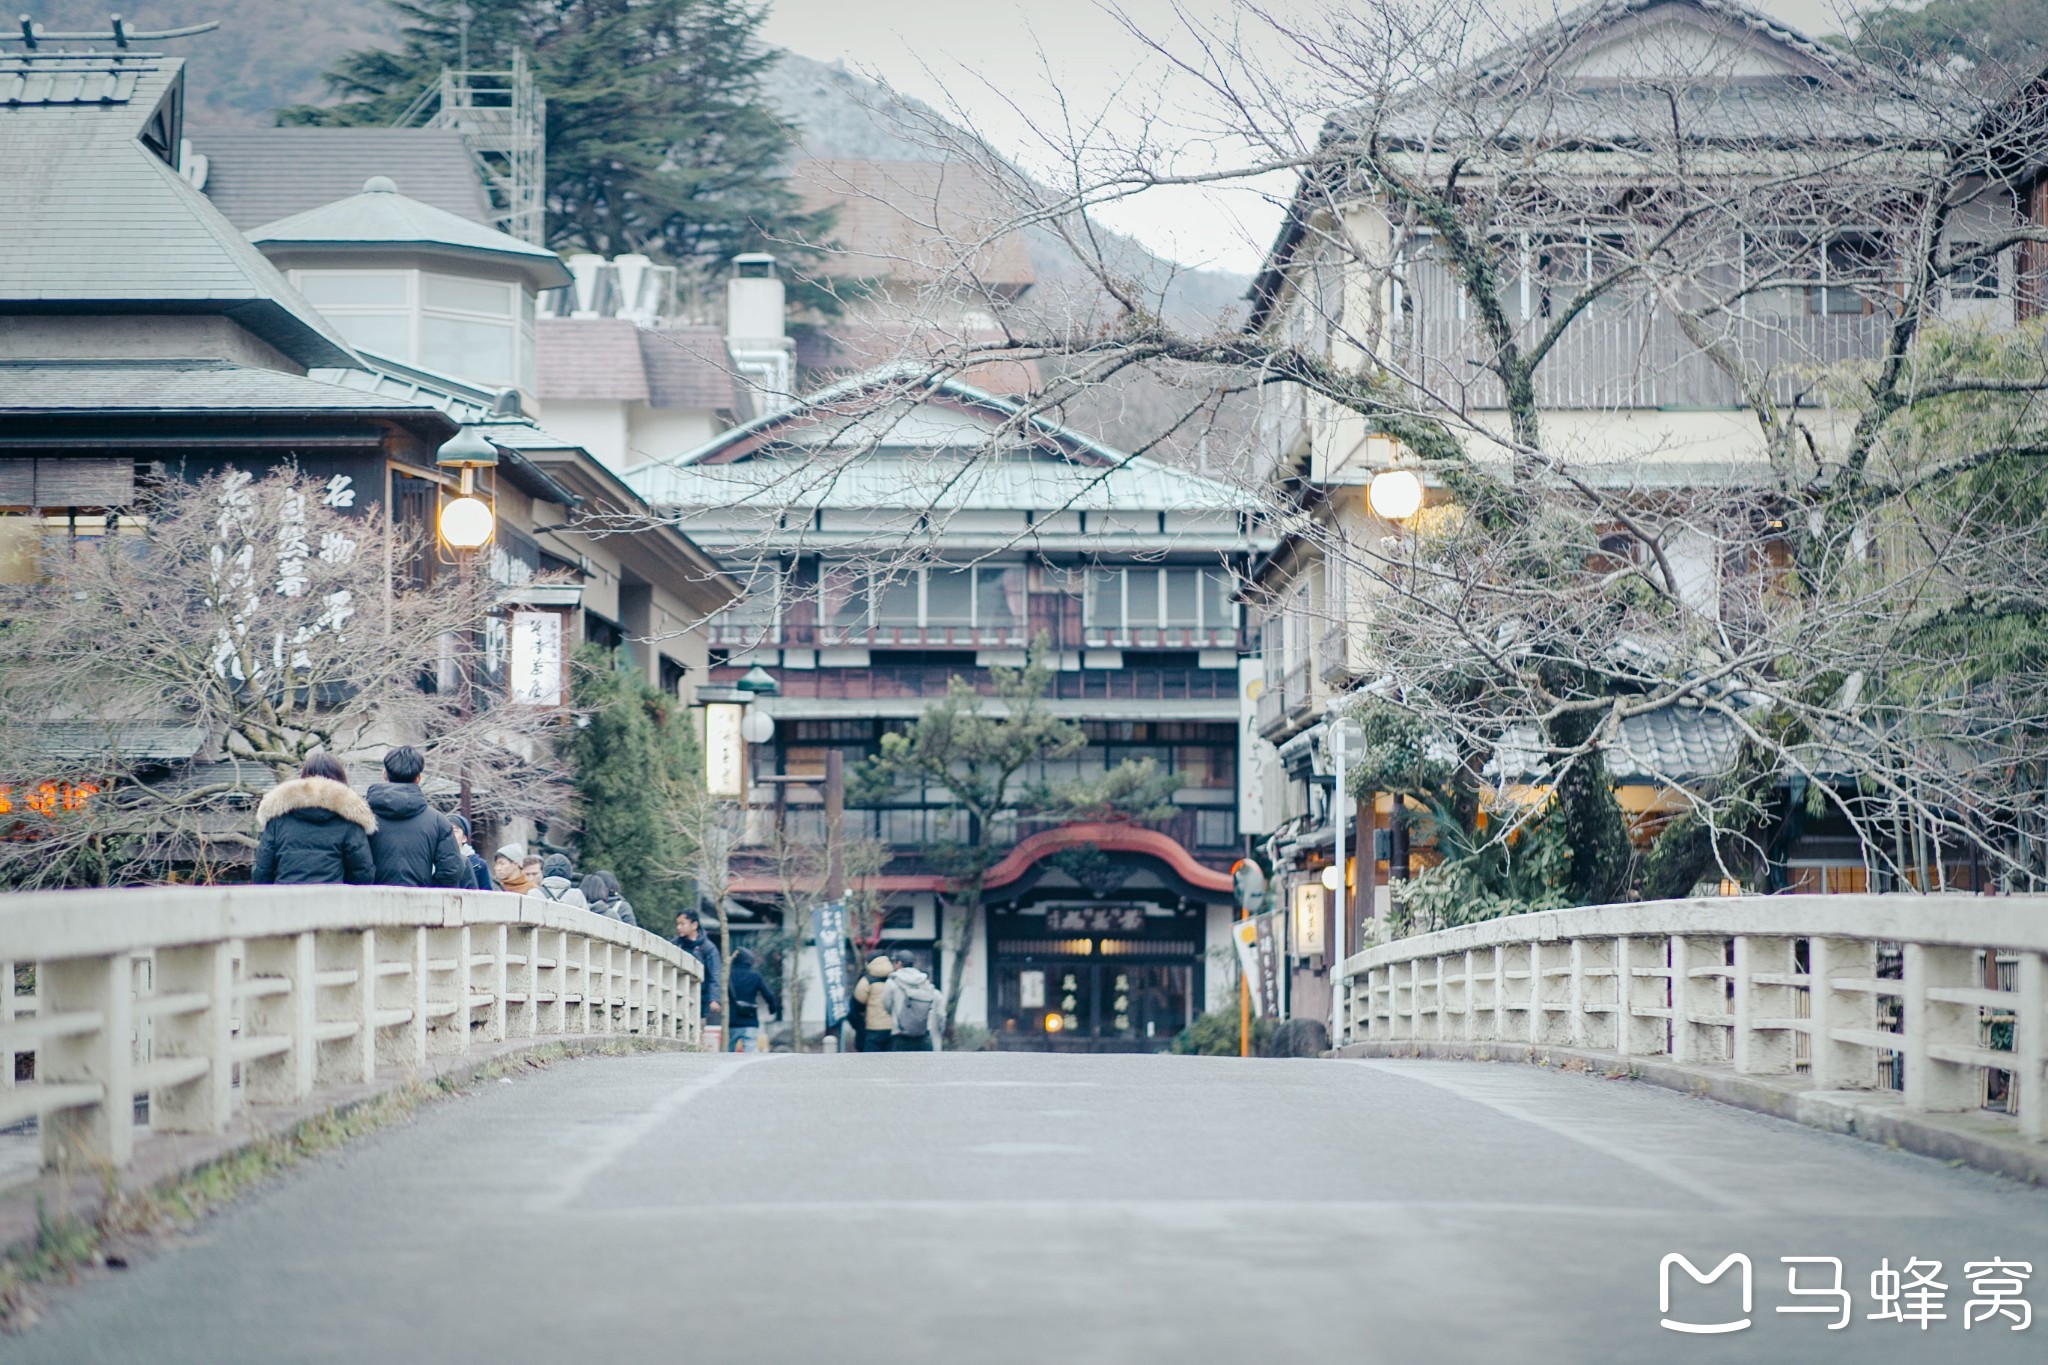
{"type": "Point", "coordinates": [1245, 934]}
{"type": "Point", "coordinates": [538, 659]}
{"type": "Point", "coordinates": [1267, 949]}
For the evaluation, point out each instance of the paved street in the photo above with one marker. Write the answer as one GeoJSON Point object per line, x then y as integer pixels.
{"type": "Point", "coordinates": [1081, 1210]}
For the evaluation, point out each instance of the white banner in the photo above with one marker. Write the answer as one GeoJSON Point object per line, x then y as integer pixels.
{"type": "Point", "coordinates": [537, 658]}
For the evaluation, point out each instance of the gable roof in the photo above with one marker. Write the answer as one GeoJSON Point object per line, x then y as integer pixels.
{"type": "Point", "coordinates": [99, 222]}
{"type": "Point", "coordinates": [260, 175]}
{"type": "Point", "coordinates": [380, 218]}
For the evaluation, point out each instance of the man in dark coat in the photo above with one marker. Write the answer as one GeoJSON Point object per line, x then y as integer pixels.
{"type": "Point", "coordinates": [414, 844]}
{"type": "Point", "coordinates": [692, 939]}
{"type": "Point", "coordinates": [314, 829]}
{"type": "Point", "coordinates": [750, 990]}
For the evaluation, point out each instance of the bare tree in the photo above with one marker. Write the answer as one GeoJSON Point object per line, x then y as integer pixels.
{"type": "Point", "coordinates": [255, 621]}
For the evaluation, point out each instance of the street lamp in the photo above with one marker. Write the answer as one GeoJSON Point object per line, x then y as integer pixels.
{"type": "Point", "coordinates": [467, 522]}
{"type": "Point", "coordinates": [1395, 494]}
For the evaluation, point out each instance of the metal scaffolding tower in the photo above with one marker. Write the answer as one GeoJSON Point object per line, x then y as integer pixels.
{"type": "Point", "coordinates": [504, 121]}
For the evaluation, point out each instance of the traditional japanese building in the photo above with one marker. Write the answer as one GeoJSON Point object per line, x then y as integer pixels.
{"type": "Point", "coordinates": [899, 531]}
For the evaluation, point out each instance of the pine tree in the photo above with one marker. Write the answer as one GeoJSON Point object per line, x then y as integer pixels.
{"type": "Point", "coordinates": [660, 138]}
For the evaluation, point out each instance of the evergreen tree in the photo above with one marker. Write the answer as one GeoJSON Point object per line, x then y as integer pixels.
{"type": "Point", "coordinates": [660, 138]}
{"type": "Point", "coordinates": [636, 760]}
{"type": "Point", "coordinates": [2005, 39]}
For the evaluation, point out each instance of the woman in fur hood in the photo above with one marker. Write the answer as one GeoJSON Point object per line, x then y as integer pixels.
{"type": "Point", "coordinates": [315, 829]}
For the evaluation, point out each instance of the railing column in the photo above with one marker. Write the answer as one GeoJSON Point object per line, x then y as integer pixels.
{"type": "Point", "coordinates": [448, 991]}
{"type": "Point", "coordinates": [1934, 1085]}
{"type": "Point", "coordinates": [1839, 1065]}
{"type": "Point", "coordinates": [496, 977]}
{"type": "Point", "coordinates": [101, 1130]}
{"type": "Point", "coordinates": [580, 1018]}
{"type": "Point", "coordinates": [1763, 1045]}
{"type": "Point", "coordinates": [1695, 998]}
{"type": "Point", "coordinates": [1636, 1035]}
{"type": "Point", "coordinates": [1497, 1017]}
{"type": "Point", "coordinates": [204, 1103]}
{"type": "Point", "coordinates": [351, 959]}
{"type": "Point", "coordinates": [402, 999]}
{"type": "Point", "coordinates": [284, 1076]}
{"type": "Point", "coordinates": [551, 947]}
{"type": "Point", "coordinates": [522, 941]}
{"type": "Point", "coordinates": [2030, 1045]}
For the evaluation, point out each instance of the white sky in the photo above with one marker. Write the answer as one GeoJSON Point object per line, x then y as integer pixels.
{"type": "Point", "coordinates": [984, 56]}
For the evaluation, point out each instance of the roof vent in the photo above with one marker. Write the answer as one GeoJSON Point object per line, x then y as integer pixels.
{"type": "Point", "coordinates": [380, 184]}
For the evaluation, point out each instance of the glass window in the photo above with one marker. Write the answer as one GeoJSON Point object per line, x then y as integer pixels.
{"type": "Point", "coordinates": [949, 597]}
{"type": "Point", "coordinates": [1183, 592]}
{"type": "Point", "coordinates": [896, 600]}
{"type": "Point", "coordinates": [354, 288]}
{"type": "Point", "coordinates": [844, 594]}
{"type": "Point", "coordinates": [1141, 597]}
{"type": "Point", "coordinates": [492, 297]}
{"type": "Point", "coordinates": [998, 594]}
{"type": "Point", "coordinates": [1218, 611]}
{"type": "Point", "coordinates": [480, 351]}
{"type": "Point", "coordinates": [1106, 598]}
{"type": "Point", "coordinates": [1215, 828]}
{"type": "Point", "coordinates": [385, 334]}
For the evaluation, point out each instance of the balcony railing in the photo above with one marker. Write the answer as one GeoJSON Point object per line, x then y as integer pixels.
{"type": "Point", "coordinates": [916, 681]}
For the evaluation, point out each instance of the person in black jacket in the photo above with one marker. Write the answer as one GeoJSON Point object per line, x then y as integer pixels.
{"type": "Point", "coordinates": [479, 878]}
{"type": "Point", "coordinates": [691, 938]}
{"type": "Point", "coordinates": [315, 829]}
{"type": "Point", "coordinates": [749, 991]}
{"type": "Point", "coordinates": [414, 844]}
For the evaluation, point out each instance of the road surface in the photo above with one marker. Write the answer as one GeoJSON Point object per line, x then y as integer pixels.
{"type": "Point", "coordinates": [1059, 1210]}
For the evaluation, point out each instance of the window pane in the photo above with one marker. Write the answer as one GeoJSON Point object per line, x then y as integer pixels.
{"type": "Point", "coordinates": [896, 602]}
{"type": "Point", "coordinates": [1106, 598]}
{"type": "Point", "coordinates": [471, 350]}
{"type": "Point", "coordinates": [999, 594]}
{"type": "Point", "coordinates": [1217, 610]}
{"type": "Point", "coordinates": [1141, 600]}
{"type": "Point", "coordinates": [1182, 586]}
{"type": "Point", "coordinates": [469, 296]}
{"type": "Point", "coordinates": [353, 289]}
{"type": "Point", "coordinates": [949, 597]}
{"type": "Point", "coordinates": [385, 334]}
{"type": "Point", "coordinates": [844, 596]}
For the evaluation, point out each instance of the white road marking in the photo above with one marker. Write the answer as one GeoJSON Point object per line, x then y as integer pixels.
{"type": "Point", "coordinates": [616, 1139]}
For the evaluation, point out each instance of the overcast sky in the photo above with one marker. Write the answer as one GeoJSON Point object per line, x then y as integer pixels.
{"type": "Point", "coordinates": [984, 56]}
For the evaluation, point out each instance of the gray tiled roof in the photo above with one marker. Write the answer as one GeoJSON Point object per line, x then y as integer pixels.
{"type": "Point", "coordinates": [1675, 743]}
{"type": "Point", "coordinates": [64, 386]}
{"type": "Point", "coordinates": [385, 217]}
{"type": "Point", "coordinates": [616, 359]}
{"type": "Point", "coordinates": [259, 175]}
{"type": "Point", "coordinates": [96, 220]}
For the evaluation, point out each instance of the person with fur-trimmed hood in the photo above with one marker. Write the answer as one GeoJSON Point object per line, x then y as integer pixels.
{"type": "Point", "coordinates": [315, 829]}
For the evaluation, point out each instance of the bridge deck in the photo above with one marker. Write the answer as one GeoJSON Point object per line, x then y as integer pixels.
{"type": "Point", "coordinates": [1028, 1208]}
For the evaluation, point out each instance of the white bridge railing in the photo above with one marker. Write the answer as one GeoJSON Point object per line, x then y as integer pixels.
{"type": "Point", "coordinates": [203, 998]}
{"type": "Point", "coordinates": [1853, 990]}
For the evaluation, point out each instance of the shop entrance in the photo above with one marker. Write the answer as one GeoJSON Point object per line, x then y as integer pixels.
{"type": "Point", "coordinates": [1086, 1004]}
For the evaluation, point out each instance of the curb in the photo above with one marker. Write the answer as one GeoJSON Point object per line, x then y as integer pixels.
{"type": "Point", "coordinates": [1972, 1139]}
{"type": "Point", "coordinates": [164, 1160]}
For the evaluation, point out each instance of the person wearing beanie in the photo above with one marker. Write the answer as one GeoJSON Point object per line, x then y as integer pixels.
{"type": "Point", "coordinates": [508, 865]}
{"type": "Point", "coordinates": [875, 1025]}
{"type": "Point", "coordinates": [555, 884]}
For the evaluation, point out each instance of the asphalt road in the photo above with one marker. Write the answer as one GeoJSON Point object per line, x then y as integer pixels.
{"type": "Point", "coordinates": [1058, 1211]}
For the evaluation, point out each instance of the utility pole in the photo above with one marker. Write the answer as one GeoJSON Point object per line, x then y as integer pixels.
{"type": "Point", "coordinates": [1338, 941]}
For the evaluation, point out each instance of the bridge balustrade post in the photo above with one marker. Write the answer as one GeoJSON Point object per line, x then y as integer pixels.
{"type": "Point", "coordinates": [2030, 1045]}
{"type": "Point", "coordinates": [402, 999]}
{"type": "Point", "coordinates": [551, 967]}
{"type": "Point", "coordinates": [346, 964]}
{"type": "Point", "coordinates": [103, 1129]}
{"type": "Point", "coordinates": [1934, 1084]}
{"type": "Point", "coordinates": [1440, 992]}
{"type": "Point", "coordinates": [580, 958]}
{"type": "Point", "coordinates": [282, 1005]}
{"type": "Point", "coordinates": [448, 991]}
{"type": "Point", "coordinates": [1764, 1045]}
{"type": "Point", "coordinates": [1838, 1065]}
{"type": "Point", "coordinates": [1698, 994]}
{"type": "Point", "coordinates": [1497, 1017]}
{"type": "Point", "coordinates": [1595, 994]}
{"type": "Point", "coordinates": [1637, 960]}
{"type": "Point", "coordinates": [522, 980]}
{"type": "Point", "coordinates": [497, 977]}
{"type": "Point", "coordinates": [205, 1103]}
{"type": "Point", "coordinates": [1551, 965]}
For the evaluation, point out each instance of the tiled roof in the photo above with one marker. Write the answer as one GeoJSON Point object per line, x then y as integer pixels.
{"type": "Point", "coordinates": [96, 219]}
{"type": "Point", "coordinates": [51, 387]}
{"type": "Point", "coordinates": [69, 78]}
{"type": "Point", "coordinates": [907, 221]}
{"type": "Point", "coordinates": [259, 175]}
{"type": "Point", "coordinates": [597, 359]}
{"type": "Point", "coordinates": [379, 215]}
{"type": "Point", "coordinates": [1675, 743]}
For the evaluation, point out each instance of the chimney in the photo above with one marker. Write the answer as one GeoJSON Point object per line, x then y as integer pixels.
{"type": "Point", "coordinates": [756, 335]}
{"type": "Point", "coordinates": [585, 266]}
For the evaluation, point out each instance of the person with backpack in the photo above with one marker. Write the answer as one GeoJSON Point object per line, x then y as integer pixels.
{"type": "Point", "coordinates": [750, 990]}
{"type": "Point", "coordinates": [912, 1001]}
{"type": "Point", "coordinates": [601, 889]}
{"type": "Point", "coordinates": [872, 1023]}
{"type": "Point", "coordinates": [555, 884]}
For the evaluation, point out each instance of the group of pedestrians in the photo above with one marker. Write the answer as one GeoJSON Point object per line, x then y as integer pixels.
{"type": "Point", "coordinates": [895, 1003]}
{"type": "Point", "coordinates": [316, 829]}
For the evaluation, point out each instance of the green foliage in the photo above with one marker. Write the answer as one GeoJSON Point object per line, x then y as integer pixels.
{"type": "Point", "coordinates": [1398, 753]}
{"type": "Point", "coordinates": [1135, 789]}
{"type": "Point", "coordinates": [660, 138]}
{"type": "Point", "coordinates": [2001, 37]}
{"type": "Point", "coordinates": [1484, 878]}
{"type": "Point", "coordinates": [635, 763]}
{"type": "Point", "coordinates": [1216, 1034]}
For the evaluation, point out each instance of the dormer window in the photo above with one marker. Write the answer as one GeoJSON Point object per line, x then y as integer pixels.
{"type": "Point", "coordinates": [476, 329]}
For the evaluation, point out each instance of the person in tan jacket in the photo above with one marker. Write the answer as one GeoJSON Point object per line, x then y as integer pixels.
{"type": "Point", "coordinates": [875, 1024]}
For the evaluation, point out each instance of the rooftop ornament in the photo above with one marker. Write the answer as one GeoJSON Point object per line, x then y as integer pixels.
{"type": "Point", "coordinates": [120, 35]}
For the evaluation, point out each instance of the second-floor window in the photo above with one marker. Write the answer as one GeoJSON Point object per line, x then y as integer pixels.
{"type": "Point", "coordinates": [977, 596]}
{"type": "Point", "coordinates": [1145, 598]}
{"type": "Point", "coordinates": [474, 329]}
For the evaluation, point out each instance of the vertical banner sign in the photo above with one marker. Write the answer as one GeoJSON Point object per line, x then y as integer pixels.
{"type": "Point", "coordinates": [1245, 934]}
{"type": "Point", "coordinates": [1311, 908]}
{"type": "Point", "coordinates": [828, 926]}
{"type": "Point", "coordinates": [1267, 945]}
{"type": "Point", "coordinates": [537, 658]}
{"type": "Point", "coordinates": [725, 750]}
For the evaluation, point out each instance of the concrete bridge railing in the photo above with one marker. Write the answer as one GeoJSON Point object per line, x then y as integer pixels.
{"type": "Point", "coordinates": [206, 998]}
{"type": "Point", "coordinates": [1941, 996]}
